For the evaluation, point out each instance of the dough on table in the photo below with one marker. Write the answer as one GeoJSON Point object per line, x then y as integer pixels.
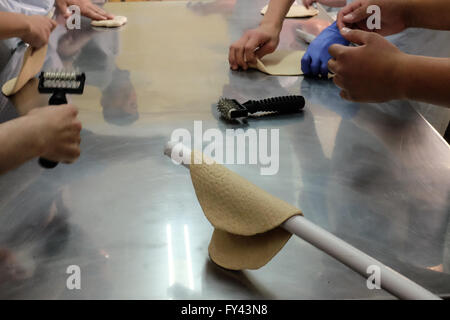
{"type": "Point", "coordinates": [280, 63]}
{"type": "Point", "coordinates": [112, 23]}
{"type": "Point", "coordinates": [296, 11]}
{"type": "Point", "coordinates": [246, 218]}
{"type": "Point", "coordinates": [32, 63]}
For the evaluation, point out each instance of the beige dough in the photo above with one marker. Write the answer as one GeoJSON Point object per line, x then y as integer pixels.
{"type": "Point", "coordinates": [33, 61]}
{"type": "Point", "coordinates": [296, 11]}
{"type": "Point", "coordinates": [236, 252]}
{"type": "Point", "coordinates": [280, 63]}
{"type": "Point", "coordinates": [8, 87]}
{"type": "Point", "coordinates": [245, 217]}
{"type": "Point", "coordinates": [116, 22]}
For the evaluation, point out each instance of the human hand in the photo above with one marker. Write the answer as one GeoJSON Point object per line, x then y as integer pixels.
{"type": "Point", "coordinates": [330, 3]}
{"type": "Point", "coordinates": [315, 59]}
{"type": "Point", "coordinates": [314, 26]}
{"type": "Point", "coordinates": [87, 9]}
{"type": "Point", "coordinates": [10, 268]}
{"type": "Point", "coordinates": [254, 43]}
{"type": "Point", "coordinates": [394, 16]}
{"type": "Point", "coordinates": [38, 30]}
{"type": "Point", "coordinates": [58, 131]}
{"type": "Point", "coordinates": [370, 72]}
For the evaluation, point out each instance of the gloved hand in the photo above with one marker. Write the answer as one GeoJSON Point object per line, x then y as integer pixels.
{"type": "Point", "coordinates": [315, 59]}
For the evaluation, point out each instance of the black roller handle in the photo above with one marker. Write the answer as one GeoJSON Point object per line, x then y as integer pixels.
{"type": "Point", "coordinates": [57, 98]}
{"type": "Point", "coordinates": [285, 104]}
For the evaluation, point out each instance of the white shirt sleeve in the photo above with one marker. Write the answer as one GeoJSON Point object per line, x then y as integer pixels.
{"type": "Point", "coordinates": [28, 7]}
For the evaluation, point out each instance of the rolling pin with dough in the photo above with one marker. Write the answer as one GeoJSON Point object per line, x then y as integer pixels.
{"type": "Point", "coordinates": [391, 281]}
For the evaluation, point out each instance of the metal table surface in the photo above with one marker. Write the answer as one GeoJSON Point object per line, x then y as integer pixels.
{"type": "Point", "coordinates": [376, 175]}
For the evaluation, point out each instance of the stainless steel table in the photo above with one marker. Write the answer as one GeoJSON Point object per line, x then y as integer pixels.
{"type": "Point", "coordinates": [376, 175]}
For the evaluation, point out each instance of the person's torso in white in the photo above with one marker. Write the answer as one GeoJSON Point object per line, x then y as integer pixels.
{"type": "Point", "coordinates": [28, 7]}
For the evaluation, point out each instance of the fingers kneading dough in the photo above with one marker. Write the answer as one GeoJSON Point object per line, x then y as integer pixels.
{"type": "Point", "coordinates": [235, 252]}
{"type": "Point", "coordinates": [280, 63]}
{"type": "Point", "coordinates": [112, 23]}
{"type": "Point", "coordinates": [296, 11]}
{"type": "Point", "coordinates": [246, 218]}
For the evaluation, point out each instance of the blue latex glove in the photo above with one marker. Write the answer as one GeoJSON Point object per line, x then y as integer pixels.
{"type": "Point", "coordinates": [315, 59]}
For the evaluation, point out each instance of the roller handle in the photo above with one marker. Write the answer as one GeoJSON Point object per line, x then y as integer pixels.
{"type": "Point", "coordinates": [56, 99]}
{"type": "Point", "coordinates": [285, 104]}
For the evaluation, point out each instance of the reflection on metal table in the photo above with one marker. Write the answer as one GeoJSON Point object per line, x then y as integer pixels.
{"type": "Point", "coordinates": [375, 175]}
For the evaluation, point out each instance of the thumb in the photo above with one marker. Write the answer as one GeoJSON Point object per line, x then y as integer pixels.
{"type": "Point", "coordinates": [62, 7]}
{"type": "Point", "coordinates": [356, 15]}
{"type": "Point", "coordinates": [356, 36]}
{"type": "Point", "coordinates": [265, 49]}
{"type": "Point", "coordinates": [53, 24]}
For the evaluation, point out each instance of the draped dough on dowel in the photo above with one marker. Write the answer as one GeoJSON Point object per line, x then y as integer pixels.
{"type": "Point", "coordinates": [33, 60]}
{"type": "Point", "coordinates": [281, 63]}
{"type": "Point", "coordinates": [246, 218]}
{"type": "Point", "coordinates": [32, 63]}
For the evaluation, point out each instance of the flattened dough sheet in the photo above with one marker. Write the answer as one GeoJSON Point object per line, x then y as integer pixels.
{"type": "Point", "coordinates": [280, 63]}
{"type": "Point", "coordinates": [31, 65]}
{"type": "Point", "coordinates": [246, 218]}
{"type": "Point", "coordinates": [112, 23]}
{"type": "Point", "coordinates": [296, 11]}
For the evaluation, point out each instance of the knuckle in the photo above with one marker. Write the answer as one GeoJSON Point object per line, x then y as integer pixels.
{"type": "Point", "coordinates": [73, 109]}
{"type": "Point", "coordinates": [342, 55]}
{"type": "Point", "coordinates": [77, 125]}
{"type": "Point", "coordinates": [351, 96]}
{"type": "Point", "coordinates": [76, 153]}
{"type": "Point", "coordinates": [371, 37]}
{"type": "Point", "coordinates": [338, 69]}
{"type": "Point", "coordinates": [342, 71]}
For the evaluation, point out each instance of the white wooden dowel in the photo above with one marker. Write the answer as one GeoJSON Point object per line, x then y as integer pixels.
{"type": "Point", "coordinates": [390, 280]}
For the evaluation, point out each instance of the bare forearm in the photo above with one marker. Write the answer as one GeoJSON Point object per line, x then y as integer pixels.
{"type": "Point", "coordinates": [426, 79]}
{"type": "Point", "coordinates": [12, 25]}
{"type": "Point", "coordinates": [430, 14]}
{"type": "Point", "coordinates": [276, 12]}
{"type": "Point", "coordinates": [19, 143]}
